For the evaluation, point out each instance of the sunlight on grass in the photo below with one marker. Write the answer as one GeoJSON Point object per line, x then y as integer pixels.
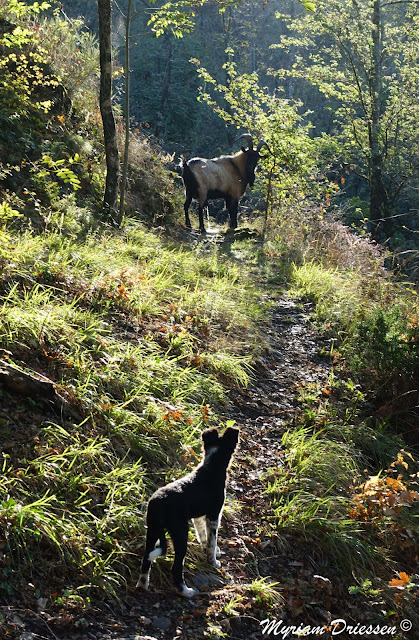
{"type": "Point", "coordinates": [142, 336]}
{"type": "Point", "coordinates": [310, 494]}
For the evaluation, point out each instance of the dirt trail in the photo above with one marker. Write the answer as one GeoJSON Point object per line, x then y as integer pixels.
{"type": "Point", "coordinates": [250, 548]}
{"type": "Point", "coordinates": [266, 409]}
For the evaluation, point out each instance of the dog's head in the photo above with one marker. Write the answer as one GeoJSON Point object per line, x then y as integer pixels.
{"type": "Point", "coordinates": [224, 444]}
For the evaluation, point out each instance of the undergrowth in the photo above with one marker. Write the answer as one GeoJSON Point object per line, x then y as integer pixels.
{"type": "Point", "coordinates": [345, 481]}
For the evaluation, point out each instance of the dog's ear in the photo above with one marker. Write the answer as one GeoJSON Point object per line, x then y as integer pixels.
{"type": "Point", "coordinates": [210, 438]}
{"type": "Point", "coordinates": [231, 436]}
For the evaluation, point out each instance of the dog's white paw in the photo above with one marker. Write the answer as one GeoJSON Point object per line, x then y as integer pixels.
{"type": "Point", "coordinates": [142, 582]}
{"type": "Point", "coordinates": [188, 592]}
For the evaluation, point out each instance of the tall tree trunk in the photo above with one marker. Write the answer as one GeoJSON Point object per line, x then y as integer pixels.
{"type": "Point", "coordinates": [127, 114]}
{"type": "Point", "coordinates": [379, 204]}
{"type": "Point", "coordinates": [228, 28]}
{"type": "Point", "coordinates": [105, 98]}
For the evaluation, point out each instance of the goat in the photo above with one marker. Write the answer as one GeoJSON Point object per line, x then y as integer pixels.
{"type": "Point", "coordinates": [225, 177]}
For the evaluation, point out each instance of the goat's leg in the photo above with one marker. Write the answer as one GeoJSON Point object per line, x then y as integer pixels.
{"type": "Point", "coordinates": [233, 207]}
{"type": "Point", "coordinates": [203, 203]}
{"type": "Point", "coordinates": [201, 217]}
{"type": "Point", "coordinates": [186, 206]}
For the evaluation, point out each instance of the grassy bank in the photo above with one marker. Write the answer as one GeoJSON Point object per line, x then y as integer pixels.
{"type": "Point", "coordinates": [140, 339]}
{"type": "Point", "coordinates": [140, 336]}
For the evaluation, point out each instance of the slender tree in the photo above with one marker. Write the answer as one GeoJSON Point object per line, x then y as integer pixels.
{"type": "Point", "coordinates": [379, 201]}
{"type": "Point", "coordinates": [126, 109]}
{"type": "Point", "coordinates": [109, 128]}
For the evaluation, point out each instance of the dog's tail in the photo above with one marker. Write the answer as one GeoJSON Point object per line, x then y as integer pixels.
{"type": "Point", "coordinates": [160, 549]}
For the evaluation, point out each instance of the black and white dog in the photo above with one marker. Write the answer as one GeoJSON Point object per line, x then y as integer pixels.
{"type": "Point", "coordinates": [200, 496]}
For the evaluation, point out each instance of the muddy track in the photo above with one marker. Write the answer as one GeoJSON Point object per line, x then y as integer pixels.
{"type": "Point", "coordinates": [270, 406]}
{"type": "Point", "coordinates": [250, 547]}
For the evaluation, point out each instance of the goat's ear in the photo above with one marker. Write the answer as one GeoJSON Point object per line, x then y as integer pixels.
{"type": "Point", "coordinates": [210, 437]}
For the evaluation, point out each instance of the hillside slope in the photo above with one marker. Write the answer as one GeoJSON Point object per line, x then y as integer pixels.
{"type": "Point", "coordinates": [139, 383]}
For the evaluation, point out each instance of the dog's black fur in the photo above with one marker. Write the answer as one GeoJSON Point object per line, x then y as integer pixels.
{"type": "Point", "coordinates": [199, 496]}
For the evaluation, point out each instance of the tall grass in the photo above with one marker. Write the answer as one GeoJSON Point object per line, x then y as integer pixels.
{"type": "Point", "coordinates": [310, 494]}
{"type": "Point", "coordinates": [313, 494]}
{"type": "Point", "coordinates": [374, 325]}
{"type": "Point", "coordinates": [141, 338]}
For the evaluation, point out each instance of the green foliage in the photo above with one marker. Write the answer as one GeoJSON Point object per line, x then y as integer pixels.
{"type": "Point", "coordinates": [73, 53]}
{"type": "Point", "coordinates": [22, 9]}
{"type": "Point", "coordinates": [7, 213]}
{"type": "Point", "coordinates": [176, 17]}
{"type": "Point", "coordinates": [387, 341]}
{"type": "Point", "coordinates": [59, 168]}
{"type": "Point", "coordinates": [365, 587]}
{"type": "Point", "coordinates": [376, 326]}
{"type": "Point", "coordinates": [23, 70]}
{"type": "Point", "coordinates": [369, 85]}
{"type": "Point", "coordinates": [265, 591]}
{"type": "Point", "coordinates": [179, 17]}
{"type": "Point", "coordinates": [46, 125]}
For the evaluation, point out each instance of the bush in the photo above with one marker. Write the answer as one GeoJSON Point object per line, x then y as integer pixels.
{"type": "Point", "coordinates": [386, 341]}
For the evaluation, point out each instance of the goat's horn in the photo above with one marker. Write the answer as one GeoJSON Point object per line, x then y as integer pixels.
{"type": "Point", "coordinates": [261, 144]}
{"type": "Point", "coordinates": [248, 137]}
